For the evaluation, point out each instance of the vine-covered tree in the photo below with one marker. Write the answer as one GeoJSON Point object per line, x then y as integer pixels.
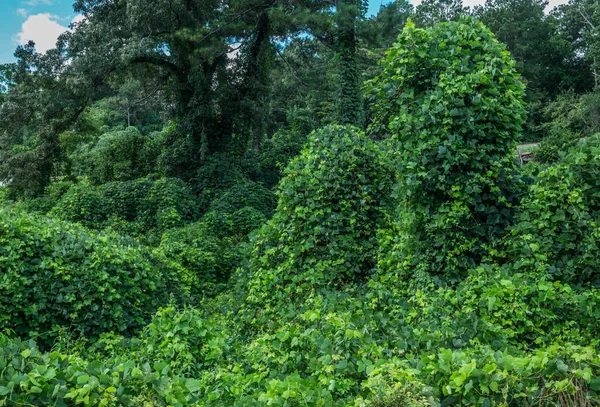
{"type": "Point", "coordinates": [451, 98]}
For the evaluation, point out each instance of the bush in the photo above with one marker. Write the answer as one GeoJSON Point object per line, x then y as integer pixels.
{"type": "Point", "coordinates": [3, 195]}
{"type": "Point", "coordinates": [276, 152]}
{"type": "Point", "coordinates": [219, 173]}
{"type": "Point", "coordinates": [57, 275]}
{"type": "Point", "coordinates": [558, 224]}
{"type": "Point", "coordinates": [83, 204]}
{"type": "Point", "coordinates": [451, 97]}
{"type": "Point", "coordinates": [211, 249]}
{"type": "Point", "coordinates": [169, 204]}
{"type": "Point", "coordinates": [123, 200]}
{"type": "Point", "coordinates": [44, 204]}
{"type": "Point", "coordinates": [246, 194]}
{"type": "Point", "coordinates": [116, 372]}
{"type": "Point", "coordinates": [323, 233]}
{"type": "Point", "coordinates": [568, 118]}
{"type": "Point", "coordinates": [121, 155]}
{"type": "Point", "coordinates": [553, 145]}
{"type": "Point", "coordinates": [209, 258]}
{"type": "Point", "coordinates": [565, 124]}
{"type": "Point", "coordinates": [143, 208]}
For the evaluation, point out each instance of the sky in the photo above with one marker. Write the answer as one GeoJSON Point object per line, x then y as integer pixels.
{"type": "Point", "coordinates": [44, 20]}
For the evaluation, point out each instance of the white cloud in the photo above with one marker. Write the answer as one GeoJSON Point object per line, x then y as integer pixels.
{"type": "Point", "coordinates": [33, 3]}
{"type": "Point", "coordinates": [22, 12]}
{"type": "Point", "coordinates": [78, 19]}
{"type": "Point", "coordinates": [43, 29]}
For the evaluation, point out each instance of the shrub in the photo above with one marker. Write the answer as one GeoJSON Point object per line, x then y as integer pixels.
{"type": "Point", "coordinates": [209, 259]}
{"type": "Point", "coordinates": [3, 195]}
{"type": "Point", "coordinates": [57, 275]}
{"type": "Point", "coordinates": [148, 371]}
{"type": "Point", "coordinates": [554, 144]}
{"type": "Point", "coordinates": [44, 203]}
{"type": "Point", "coordinates": [246, 194]}
{"type": "Point", "coordinates": [451, 97]}
{"type": "Point", "coordinates": [169, 204]}
{"type": "Point", "coordinates": [276, 152]}
{"type": "Point", "coordinates": [143, 208]}
{"type": "Point", "coordinates": [83, 204]}
{"type": "Point", "coordinates": [120, 156]}
{"type": "Point", "coordinates": [565, 123]}
{"type": "Point", "coordinates": [558, 224]}
{"type": "Point", "coordinates": [330, 205]}
{"type": "Point", "coordinates": [123, 200]}
{"type": "Point", "coordinates": [211, 248]}
{"type": "Point", "coordinates": [219, 173]}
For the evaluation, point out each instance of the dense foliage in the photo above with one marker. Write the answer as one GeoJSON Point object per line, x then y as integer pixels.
{"type": "Point", "coordinates": [142, 207]}
{"type": "Point", "coordinates": [199, 207]}
{"type": "Point", "coordinates": [451, 98]}
{"type": "Point", "coordinates": [558, 224]}
{"type": "Point", "coordinates": [57, 276]}
{"type": "Point", "coordinates": [324, 232]}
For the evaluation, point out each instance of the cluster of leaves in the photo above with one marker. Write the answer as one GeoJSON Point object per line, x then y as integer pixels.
{"type": "Point", "coordinates": [267, 166]}
{"type": "Point", "coordinates": [212, 248]}
{"type": "Point", "coordinates": [142, 207]}
{"type": "Point", "coordinates": [120, 156]}
{"type": "Point", "coordinates": [569, 118]}
{"type": "Point", "coordinates": [558, 221]}
{"type": "Point", "coordinates": [452, 99]}
{"type": "Point", "coordinates": [59, 276]}
{"type": "Point", "coordinates": [145, 371]}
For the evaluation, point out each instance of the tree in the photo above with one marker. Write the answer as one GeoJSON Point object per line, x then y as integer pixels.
{"type": "Point", "coordinates": [530, 37]}
{"type": "Point", "coordinates": [333, 23]}
{"type": "Point", "coordinates": [580, 23]}
{"type": "Point", "coordinates": [451, 98]}
{"type": "Point", "coordinates": [544, 57]}
{"type": "Point", "coordinates": [383, 29]}
{"type": "Point", "coordinates": [431, 12]}
{"type": "Point", "coordinates": [40, 104]}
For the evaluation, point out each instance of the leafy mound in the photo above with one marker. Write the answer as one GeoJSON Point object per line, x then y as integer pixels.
{"type": "Point", "coordinates": [558, 227]}
{"type": "Point", "coordinates": [219, 173]}
{"type": "Point", "coordinates": [452, 99]}
{"type": "Point", "coordinates": [212, 248]}
{"type": "Point", "coordinates": [142, 207]}
{"type": "Point", "coordinates": [246, 194]}
{"type": "Point", "coordinates": [59, 276]}
{"type": "Point", "coordinates": [324, 232]}
{"type": "Point", "coordinates": [120, 156]}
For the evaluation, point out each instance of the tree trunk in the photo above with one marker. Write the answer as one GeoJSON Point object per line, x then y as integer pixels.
{"type": "Point", "coordinates": [350, 100]}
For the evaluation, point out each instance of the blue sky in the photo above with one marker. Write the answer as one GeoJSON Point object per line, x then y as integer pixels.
{"type": "Point", "coordinates": [43, 20]}
{"type": "Point", "coordinates": [40, 20]}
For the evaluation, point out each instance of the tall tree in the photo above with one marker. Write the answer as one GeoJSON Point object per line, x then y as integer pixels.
{"type": "Point", "coordinates": [543, 56]}
{"type": "Point", "coordinates": [382, 30]}
{"type": "Point", "coordinates": [43, 99]}
{"type": "Point", "coordinates": [333, 23]}
{"type": "Point", "coordinates": [432, 12]}
{"type": "Point", "coordinates": [580, 24]}
{"type": "Point", "coordinates": [208, 57]}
